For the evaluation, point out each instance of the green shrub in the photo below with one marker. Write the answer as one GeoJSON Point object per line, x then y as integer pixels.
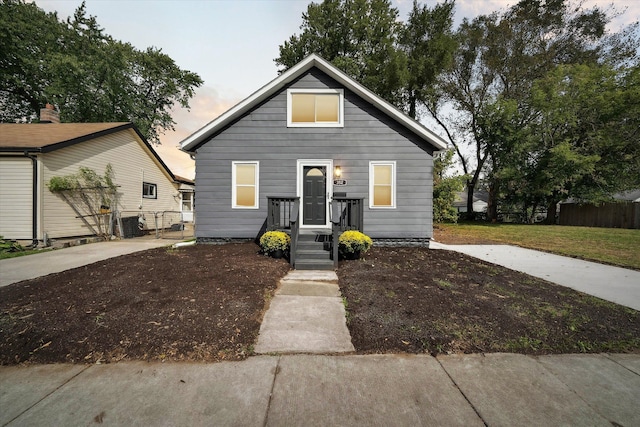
{"type": "Point", "coordinates": [7, 246]}
{"type": "Point", "coordinates": [354, 241]}
{"type": "Point", "coordinates": [272, 241]}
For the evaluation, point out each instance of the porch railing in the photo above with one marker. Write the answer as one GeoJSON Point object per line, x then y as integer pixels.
{"type": "Point", "coordinates": [350, 213]}
{"type": "Point", "coordinates": [280, 212]}
{"type": "Point", "coordinates": [283, 213]}
{"type": "Point", "coordinates": [335, 231]}
{"type": "Point", "coordinates": [295, 231]}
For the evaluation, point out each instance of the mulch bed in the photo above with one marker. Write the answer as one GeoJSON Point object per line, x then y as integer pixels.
{"type": "Point", "coordinates": [205, 303]}
{"type": "Point", "coordinates": [202, 303]}
{"type": "Point", "coordinates": [417, 300]}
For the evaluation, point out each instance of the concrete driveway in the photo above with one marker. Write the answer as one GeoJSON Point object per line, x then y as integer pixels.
{"type": "Point", "coordinates": [615, 284]}
{"type": "Point", "coordinates": [14, 270]}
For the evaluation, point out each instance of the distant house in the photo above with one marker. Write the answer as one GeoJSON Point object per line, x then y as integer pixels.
{"type": "Point", "coordinates": [187, 189]}
{"type": "Point", "coordinates": [480, 201]}
{"type": "Point", "coordinates": [623, 212]}
{"type": "Point", "coordinates": [30, 154]}
{"type": "Point", "coordinates": [311, 139]}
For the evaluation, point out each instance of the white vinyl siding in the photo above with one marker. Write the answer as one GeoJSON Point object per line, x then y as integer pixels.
{"type": "Point", "coordinates": [382, 185]}
{"type": "Point", "coordinates": [244, 185]}
{"type": "Point", "coordinates": [16, 189]}
{"type": "Point", "coordinates": [315, 108]}
{"type": "Point", "coordinates": [132, 165]}
{"type": "Point", "coordinates": [149, 190]}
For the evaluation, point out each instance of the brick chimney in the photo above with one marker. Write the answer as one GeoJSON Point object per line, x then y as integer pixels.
{"type": "Point", "coordinates": [49, 114]}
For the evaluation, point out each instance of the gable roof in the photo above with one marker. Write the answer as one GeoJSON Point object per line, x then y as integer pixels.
{"type": "Point", "coordinates": [630, 196]}
{"type": "Point", "coordinates": [47, 137]}
{"type": "Point", "coordinates": [461, 197]}
{"type": "Point", "coordinates": [199, 137]}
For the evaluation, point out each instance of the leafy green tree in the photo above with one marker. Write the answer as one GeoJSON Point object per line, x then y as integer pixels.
{"type": "Point", "coordinates": [445, 188]}
{"type": "Point", "coordinates": [583, 138]}
{"type": "Point", "coordinates": [28, 40]}
{"type": "Point", "coordinates": [466, 88]}
{"type": "Point", "coordinates": [87, 74]}
{"type": "Point", "coordinates": [364, 38]}
{"type": "Point", "coordinates": [428, 43]}
{"type": "Point", "coordinates": [500, 58]}
{"type": "Point", "coordinates": [359, 37]}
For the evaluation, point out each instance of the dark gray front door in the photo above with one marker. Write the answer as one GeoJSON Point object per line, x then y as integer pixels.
{"type": "Point", "coordinates": [314, 197]}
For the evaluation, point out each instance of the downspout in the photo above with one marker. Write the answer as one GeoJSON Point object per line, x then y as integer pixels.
{"type": "Point", "coordinates": [34, 201]}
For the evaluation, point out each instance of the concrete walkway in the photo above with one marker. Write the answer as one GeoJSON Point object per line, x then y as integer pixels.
{"type": "Point", "coordinates": [615, 284]}
{"type": "Point", "coordinates": [306, 315]}
{"type": "Point", "coordinates": [14, 270]}
{"type": "Point", "coordinates": [316, 390]}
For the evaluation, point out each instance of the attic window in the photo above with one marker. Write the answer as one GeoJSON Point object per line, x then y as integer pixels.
{"type": "Point", "coordinates": [315, 107]}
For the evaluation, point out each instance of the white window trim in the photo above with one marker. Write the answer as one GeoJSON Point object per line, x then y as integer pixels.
{"type": "Point", "coordinates": [338, 124]}
{"type": "Point", "coordinates": [152, 186]}
{"type": "Point", "coordinates": [233, 184]}
{"type": "Point", "coordinates": [393, 183]}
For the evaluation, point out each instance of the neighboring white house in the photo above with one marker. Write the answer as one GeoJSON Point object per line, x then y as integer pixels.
{"type": "Point", "coordinates": [30, 154]}
{"type": "Point", "coordinates": [480, 201]}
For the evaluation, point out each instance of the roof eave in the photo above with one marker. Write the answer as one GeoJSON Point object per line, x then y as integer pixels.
{"type": "Point", "coordinates": [363, 92]}
{"type": "Point", "coordinates": [20, 150]}
{"type": "Point", "coordinates": [197, 138]}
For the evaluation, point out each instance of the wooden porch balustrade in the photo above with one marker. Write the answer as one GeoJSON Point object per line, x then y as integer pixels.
{"type": "Point", "coordinates": [283, 213]}
{"type": "Point", "coordinates": [349, 211]}
{"type": "Point", "coordinates": [279, 212]}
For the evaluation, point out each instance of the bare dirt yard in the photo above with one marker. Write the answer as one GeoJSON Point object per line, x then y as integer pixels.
{"type": "Point", "coordinates": [205, 303]}
{"type": "Point", "coordinates": [201, 302]}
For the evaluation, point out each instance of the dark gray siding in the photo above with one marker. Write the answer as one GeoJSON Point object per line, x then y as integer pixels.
{"type": "Point", "coordinates": [262, 135]}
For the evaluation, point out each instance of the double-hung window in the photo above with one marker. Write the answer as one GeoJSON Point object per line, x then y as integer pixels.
{"type": "Point", "coordinates": [382, 184]}
{"type": "Point", "coordinates": [315, 107]}
{"type": "Point", "coordinates": [244, 185]}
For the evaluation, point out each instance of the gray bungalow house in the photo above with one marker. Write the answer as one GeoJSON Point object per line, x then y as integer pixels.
{"type": "Point", "coordinates": [311, 148]}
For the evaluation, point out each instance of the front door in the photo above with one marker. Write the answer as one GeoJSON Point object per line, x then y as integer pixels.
{"type": "Point", "coordinates": [314, 195]}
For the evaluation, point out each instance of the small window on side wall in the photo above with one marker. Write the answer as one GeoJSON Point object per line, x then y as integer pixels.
{"type": "Point", "coordinates": [244, 185]}
{"type": "Point", "coordinates": [149, 190]}
{"type": "Point", "coordinates": [382, 185]}
{"type": "Point", "coordinates": [315, 107]}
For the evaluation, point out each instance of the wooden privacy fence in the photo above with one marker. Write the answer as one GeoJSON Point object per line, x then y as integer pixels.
{"type": "Point", "coordinates": [610, 215]}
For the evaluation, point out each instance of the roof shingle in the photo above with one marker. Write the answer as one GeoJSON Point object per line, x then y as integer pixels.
{"type": "Point", "coordinates": [39, 135]}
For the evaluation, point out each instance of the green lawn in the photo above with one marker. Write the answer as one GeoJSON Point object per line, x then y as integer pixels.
{"type": "Point", "coordinates": [609, 245]}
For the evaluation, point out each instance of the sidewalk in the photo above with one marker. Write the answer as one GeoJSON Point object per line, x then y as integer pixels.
{"type": "Point", "coordinates": [14, 270]}
{"type": "Point", "coordinates": [615, 284]}
{"type": "Point", "coordinates": [314, 390]}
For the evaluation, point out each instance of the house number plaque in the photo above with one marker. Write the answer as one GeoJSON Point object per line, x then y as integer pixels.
{"type": "Point", "coordinates": [339, 182]}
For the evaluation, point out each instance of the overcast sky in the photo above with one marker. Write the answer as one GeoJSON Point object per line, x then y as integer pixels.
{"type": "Point", "coordinates": [231, 45]}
